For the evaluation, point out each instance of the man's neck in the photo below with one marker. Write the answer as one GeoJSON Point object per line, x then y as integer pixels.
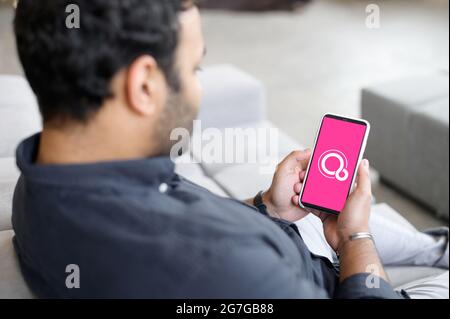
{"type": "Point", "coordinates": [82, 145]}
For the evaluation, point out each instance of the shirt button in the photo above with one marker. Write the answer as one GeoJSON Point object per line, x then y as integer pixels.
{"type": "Point", "coordinates": [163, 188]}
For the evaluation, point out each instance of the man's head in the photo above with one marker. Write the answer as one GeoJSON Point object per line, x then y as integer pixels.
{"type": "Point", "coordinates": [130, 68]}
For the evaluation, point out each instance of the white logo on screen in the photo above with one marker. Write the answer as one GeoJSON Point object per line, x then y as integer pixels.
{"type": "Point", "coordinates": [341, 174]}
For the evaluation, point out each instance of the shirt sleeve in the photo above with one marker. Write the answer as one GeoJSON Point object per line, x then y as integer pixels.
{"type": "Point", "coordinates": [252, 270]}
{"type": "Point", "coordinates": [366, 286]}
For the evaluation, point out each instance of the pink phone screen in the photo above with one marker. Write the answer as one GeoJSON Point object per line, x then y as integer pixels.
{"type": "Point", "coordinates": [333, 164]}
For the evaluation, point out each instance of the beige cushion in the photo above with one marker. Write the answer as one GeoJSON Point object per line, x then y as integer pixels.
{"type": "Point", "coordinates": [12, 285]}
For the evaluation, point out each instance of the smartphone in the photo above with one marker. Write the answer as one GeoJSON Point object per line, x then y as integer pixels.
{"type": "Point", "coordinates": [338, 150]}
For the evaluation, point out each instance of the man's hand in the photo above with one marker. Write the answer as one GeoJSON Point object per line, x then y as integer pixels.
{"type": "Point", "coordinates": [281, 199]}
{"type": "Point", "coordinates": [355, 216]}
{"type": "Point", "coordinates": [356, 257]}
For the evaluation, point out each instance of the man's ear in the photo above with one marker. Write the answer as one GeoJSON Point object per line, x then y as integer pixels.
{"type": "Point", "coordinates": [145, 86]}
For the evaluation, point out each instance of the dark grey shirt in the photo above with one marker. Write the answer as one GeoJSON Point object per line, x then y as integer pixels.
{"type": "Point", "coordinates": [136, 229]}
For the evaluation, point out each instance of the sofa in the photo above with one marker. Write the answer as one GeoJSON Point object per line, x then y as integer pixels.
{"type": "Point", "coordinates": [232, 98]}
{"type": "Point", "coordinates": [409, 141]}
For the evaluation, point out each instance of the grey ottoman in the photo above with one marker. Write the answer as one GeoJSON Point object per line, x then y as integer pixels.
{"type": "Point", "coordinates": [409, 142]}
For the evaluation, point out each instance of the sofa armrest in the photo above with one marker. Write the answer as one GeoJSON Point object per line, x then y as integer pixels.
{"type": "Point", "coordinates": [9, 174]}
{"type": "Point", "coordinates": [19, 113]}
{"type": "Point", "coordinates": [231, 97]}
{"type": "Point", "coordinates": [12, 284]}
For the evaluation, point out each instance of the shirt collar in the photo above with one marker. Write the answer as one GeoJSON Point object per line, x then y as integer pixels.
{"type": "Point", "coordinates": [141, 172]}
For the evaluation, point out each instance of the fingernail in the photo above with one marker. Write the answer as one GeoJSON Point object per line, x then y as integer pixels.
{"type": "Point", "coordinates": [366, 163]}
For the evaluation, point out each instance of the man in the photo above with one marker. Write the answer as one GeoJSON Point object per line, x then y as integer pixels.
{"type": "Point", "coordinates": [98, 192]}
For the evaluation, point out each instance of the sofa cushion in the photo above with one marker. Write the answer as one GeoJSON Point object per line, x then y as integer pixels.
{"type": "Point", "coordinates": [19, 113]}
{"type": "Point", "coordinates": [285, 145]}
{"type": "Point", "coordinates": [8, 179]}
{"type": "Point", "coordinates": [243, 181]}
{"type": "Point", "coordinates": [12, 284]}
{"type": "Point", "coordinates": [195, 174]}
{"type": "Point", "coordinates": [400, 276]}
{"type": "Point", "coordinates": [230, 97]}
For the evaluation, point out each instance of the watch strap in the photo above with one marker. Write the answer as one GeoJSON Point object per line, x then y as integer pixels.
{"type": "Point", "coordinates": [259, 204]}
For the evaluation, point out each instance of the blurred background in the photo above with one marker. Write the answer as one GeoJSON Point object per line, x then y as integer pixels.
{"type": "Point", "coordinates": [315, 57]}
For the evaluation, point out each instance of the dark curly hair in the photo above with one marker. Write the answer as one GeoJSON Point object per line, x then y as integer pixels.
{"type": "Point", "coordinates": [70, 70]}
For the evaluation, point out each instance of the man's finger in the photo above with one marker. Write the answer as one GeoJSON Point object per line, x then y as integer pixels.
{"type": "Point", "coordinates": [302, 176]}
{"type": "Point", "coordinates": [297, 188]}
{"type": "Point", "coordinates": [295, 200]}
{"type": "Point", "coordinates": [306, 158]}
{"type": "Point", "coordinates": [298, 158]}
{"type": "Point", "coordinates": [363, 178]}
